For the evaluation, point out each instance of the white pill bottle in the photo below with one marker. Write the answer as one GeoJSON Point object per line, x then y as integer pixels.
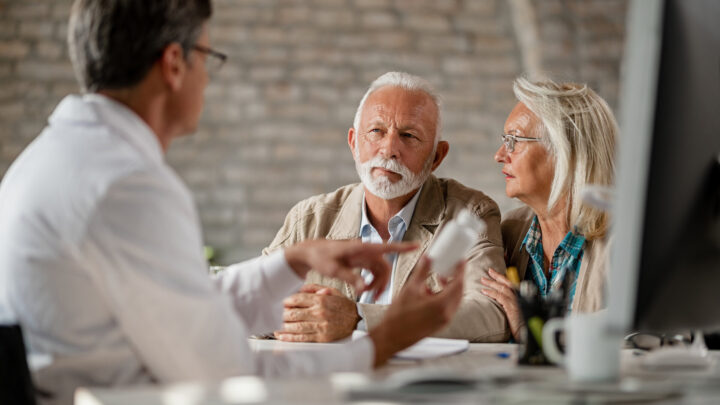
{"type": "Point", "coordinates": [453, 242]}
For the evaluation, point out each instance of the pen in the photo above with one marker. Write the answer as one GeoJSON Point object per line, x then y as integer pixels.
{"type": "Point", "coordinates": [512, 275]}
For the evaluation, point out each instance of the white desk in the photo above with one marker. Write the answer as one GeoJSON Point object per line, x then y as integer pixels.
{"type": "Point", "coordinates": [499, 380]}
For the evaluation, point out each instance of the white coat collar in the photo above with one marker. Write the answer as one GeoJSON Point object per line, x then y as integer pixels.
{"type": "Point", "coordinates": [96, 109]}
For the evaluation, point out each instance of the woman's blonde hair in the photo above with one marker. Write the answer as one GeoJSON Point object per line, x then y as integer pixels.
{"type": "Point", "coordinates": [579, 130]}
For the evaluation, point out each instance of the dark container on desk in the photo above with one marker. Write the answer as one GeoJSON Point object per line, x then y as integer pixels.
{"type": "Point", "coordinates": [530, 349]}
{"type": "Point", "coordinates": [536, 311]}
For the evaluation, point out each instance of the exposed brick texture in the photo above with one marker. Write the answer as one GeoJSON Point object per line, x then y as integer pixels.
{"type": "Point", "coordinates": [276, 117]}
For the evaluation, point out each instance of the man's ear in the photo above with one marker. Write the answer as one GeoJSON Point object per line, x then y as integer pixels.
{"type": "Point", "coordinates": [441, 151]}
{"type": "Point", "coordinates": [351, 140]}
{"type": "Point", "coordinates": [173, 66]}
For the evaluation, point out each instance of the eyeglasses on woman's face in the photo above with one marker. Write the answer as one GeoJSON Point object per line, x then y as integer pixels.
{"type": "Point", "coordinates": [509, 140]}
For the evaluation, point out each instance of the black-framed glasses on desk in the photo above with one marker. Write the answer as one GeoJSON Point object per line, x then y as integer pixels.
{"type": "Point", "coordinates": [216, 59]}
{"type": "Point", "coordinates": [510, 140]}
{"type": "Point", "coordinates": [649, 341]}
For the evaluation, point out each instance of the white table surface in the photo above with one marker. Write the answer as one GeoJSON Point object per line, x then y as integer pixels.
{"type": "Point", "coordinates": [498, 379]}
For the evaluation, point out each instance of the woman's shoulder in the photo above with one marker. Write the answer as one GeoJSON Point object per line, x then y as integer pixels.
{"type": "Point", "coordinates": [515, 224]}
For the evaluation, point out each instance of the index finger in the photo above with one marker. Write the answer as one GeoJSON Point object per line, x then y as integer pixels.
{"type": "Point", "coordinates": [372, 253]}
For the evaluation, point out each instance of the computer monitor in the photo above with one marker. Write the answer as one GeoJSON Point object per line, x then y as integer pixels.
{"type": "Point", "coordinates": [665, 255]}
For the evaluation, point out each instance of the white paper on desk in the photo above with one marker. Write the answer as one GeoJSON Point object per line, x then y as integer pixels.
{"type": "Point", "coordinates": [428, 348]}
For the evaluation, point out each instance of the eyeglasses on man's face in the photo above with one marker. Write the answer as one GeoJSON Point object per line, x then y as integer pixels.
{"type": "Point", "coordinates": [510, 140]}
{"type": "Point", "coordinates": [215, 59]}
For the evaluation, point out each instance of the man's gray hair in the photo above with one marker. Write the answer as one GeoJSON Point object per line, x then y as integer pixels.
{"type": "Point", "coordinates": [404, 81]}
{"type": "Point", "coordinates": [579, 130]}
{"type": "Point", "coordinates": [114, 43]}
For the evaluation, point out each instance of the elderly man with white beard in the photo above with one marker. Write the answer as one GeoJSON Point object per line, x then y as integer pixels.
{"type": "Point", "coordinates": [396, 144]}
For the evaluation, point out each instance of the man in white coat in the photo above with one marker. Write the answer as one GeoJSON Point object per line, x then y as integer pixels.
{"type": "Point", "coordinates": [100, 255]}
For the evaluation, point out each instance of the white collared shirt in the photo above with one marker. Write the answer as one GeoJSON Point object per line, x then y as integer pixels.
{"type": "Point", "coordinates": [101, 263]}
{"type": "Point", "coordinates": [397, 225]}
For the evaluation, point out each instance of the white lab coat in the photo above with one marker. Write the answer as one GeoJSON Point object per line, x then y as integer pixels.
{"type": "Point", "coordinates": [101, 263]}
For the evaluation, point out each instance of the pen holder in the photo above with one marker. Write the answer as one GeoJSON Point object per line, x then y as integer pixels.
{"type": "Point", "coordinates": [536, 313]}
{"type": "Point", "coordinates": [530, 350]}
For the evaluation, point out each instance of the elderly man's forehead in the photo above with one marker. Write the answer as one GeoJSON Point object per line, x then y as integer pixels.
{"type": "Point", "coordinates": [389, 98]}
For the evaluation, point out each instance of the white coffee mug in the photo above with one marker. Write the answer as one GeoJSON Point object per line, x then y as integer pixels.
{"type": "Point", "coordinates": [592, 353]}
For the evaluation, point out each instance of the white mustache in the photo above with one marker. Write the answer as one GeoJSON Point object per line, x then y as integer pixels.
{"type": "Point", "coordinates": [381, 185]}
{"type": "Point", "coordinates": [388, 164]}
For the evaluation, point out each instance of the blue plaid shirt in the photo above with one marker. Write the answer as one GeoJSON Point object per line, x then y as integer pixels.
{"type": "Point", "coordinates": [567, 257]}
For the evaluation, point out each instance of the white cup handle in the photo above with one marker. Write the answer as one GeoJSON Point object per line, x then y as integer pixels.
{"type": "Point", "coordinates": [552, 352]}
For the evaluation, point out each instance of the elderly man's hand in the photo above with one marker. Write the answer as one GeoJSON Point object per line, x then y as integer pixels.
{"type": "Point", "coordinates": [317, 314]}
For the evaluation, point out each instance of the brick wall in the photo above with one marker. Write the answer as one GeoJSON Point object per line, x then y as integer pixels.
{"type": "Point", "coordinates": [276, 117]}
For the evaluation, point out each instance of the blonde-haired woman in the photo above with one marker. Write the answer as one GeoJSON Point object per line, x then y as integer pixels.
{"type": "Point", "coordinates": [559, 138]}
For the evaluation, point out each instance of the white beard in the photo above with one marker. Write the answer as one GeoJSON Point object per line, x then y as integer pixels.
{"type": "Point", "coordinates": [381, 185]}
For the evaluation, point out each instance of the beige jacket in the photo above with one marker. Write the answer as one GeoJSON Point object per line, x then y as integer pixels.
{"type": "Point", "coordinates": [589, 291]}
{"type": "Point", "coordinates": [337, 215]}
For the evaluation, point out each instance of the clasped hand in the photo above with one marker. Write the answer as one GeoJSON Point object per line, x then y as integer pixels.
{"type": "Point", "coordinates": [317, 314]}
